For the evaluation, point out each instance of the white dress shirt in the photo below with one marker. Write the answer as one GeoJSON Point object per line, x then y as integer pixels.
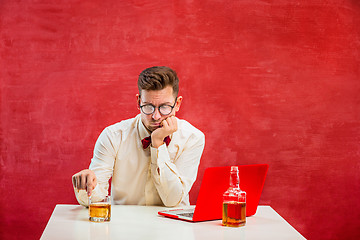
{"type": "Point", "coordinates": [152, 176]}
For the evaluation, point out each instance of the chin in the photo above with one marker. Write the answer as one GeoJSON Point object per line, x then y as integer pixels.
{"type": "Point", "coordinates": [153, 128]}
{"type": "Point", "coordinates": [150, 128]}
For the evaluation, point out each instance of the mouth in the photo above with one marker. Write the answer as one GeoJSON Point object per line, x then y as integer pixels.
{"type": "Point", "coordinates": [155, 125]}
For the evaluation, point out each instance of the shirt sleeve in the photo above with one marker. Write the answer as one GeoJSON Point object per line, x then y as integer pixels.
{"type": "Point", "coordinates": [102, 164]}
{"type": "Point", "coordinates": [174, 179]}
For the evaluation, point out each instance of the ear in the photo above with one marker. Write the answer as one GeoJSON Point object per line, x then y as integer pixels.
{"type": "Point", "coordinates": [138, 100]}
{"type": "Point", "coordinates": [178, 103]}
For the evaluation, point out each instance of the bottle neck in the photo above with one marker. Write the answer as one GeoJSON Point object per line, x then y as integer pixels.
{"type": "Point", "coordinates": [234, 179]}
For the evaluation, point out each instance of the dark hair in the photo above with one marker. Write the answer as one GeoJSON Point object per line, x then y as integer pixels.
{"type": "Point", "coordinates": [157, 78]}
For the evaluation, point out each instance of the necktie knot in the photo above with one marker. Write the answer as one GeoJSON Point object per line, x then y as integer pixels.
{"type": "Point", "coordinates": [147, 141]}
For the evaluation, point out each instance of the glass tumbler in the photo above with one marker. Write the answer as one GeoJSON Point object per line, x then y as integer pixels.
{"type": "Point", "coordinates": [100, 211]}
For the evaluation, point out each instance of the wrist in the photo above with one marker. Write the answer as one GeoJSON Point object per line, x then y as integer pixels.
{"type": "Point", "coordinates": [156, 143]}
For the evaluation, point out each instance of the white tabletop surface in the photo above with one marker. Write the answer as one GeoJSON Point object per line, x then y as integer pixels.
{"type": "Point", "coordinates": [143, 222]}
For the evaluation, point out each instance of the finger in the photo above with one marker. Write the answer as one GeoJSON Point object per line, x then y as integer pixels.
{"type": "Point", "coordinates": [82, 181]}
{"type": "Point", "coordinates": [173, 123]}
{"type": "Point", "coordinates": [77, 182]}
{"type": "Point", "coordinates": [89, 185]}
{"type": "Point", "coordinates": [74, 181]}
{"type": "Point", "coordinates": [95, 181]}
{"type": "Point", "coordinates": [88, 189]}
{"type": "Point", "coordinates": [165, 124]}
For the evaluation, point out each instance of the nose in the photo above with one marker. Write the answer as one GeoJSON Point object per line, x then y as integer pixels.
{"type": "Point", "coordinates": [156, 115]}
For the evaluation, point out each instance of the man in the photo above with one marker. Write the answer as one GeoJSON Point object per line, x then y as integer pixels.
{"type": "Point", "coordinates": [153, 158]}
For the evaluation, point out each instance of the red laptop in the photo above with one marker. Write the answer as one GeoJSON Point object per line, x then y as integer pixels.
{"type": "Point", "coordinates": [215, 182]}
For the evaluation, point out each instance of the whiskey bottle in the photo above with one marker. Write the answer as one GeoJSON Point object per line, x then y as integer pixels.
{"type": "Point", "coordinates": [234, 202]}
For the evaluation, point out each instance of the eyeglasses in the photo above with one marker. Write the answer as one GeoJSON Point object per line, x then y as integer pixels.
{"type": "Point", "coordinates": [149, 109]}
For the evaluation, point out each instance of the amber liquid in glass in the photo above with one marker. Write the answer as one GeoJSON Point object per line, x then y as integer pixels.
{"type": "Point", "coordinates": [234, 214]}
{"type": "Point", "coordinates": [99, 212]}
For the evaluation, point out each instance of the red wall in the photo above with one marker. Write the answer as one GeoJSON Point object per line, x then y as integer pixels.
{"type": "Point", "coordinates": [274, 82]}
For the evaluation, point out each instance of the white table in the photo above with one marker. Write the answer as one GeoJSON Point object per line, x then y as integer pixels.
{"type": "Point", "coordinates": [143, 222]}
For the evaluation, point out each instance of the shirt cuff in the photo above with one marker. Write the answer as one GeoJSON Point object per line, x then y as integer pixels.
{"type": "Point", "coordinates": [83, 198]}
{"type": "Point", "coordinates": [159, 155]}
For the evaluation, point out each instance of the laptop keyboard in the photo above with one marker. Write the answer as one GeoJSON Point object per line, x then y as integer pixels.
{"type": "Point", "coordinates": [189, 214]}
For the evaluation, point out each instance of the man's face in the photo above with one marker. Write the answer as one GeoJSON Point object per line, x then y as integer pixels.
{"type": "Point", "coordinates": [157, 98]}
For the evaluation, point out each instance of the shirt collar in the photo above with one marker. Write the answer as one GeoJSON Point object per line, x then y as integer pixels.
{"type": "Point", "coordinates": [143, 132]}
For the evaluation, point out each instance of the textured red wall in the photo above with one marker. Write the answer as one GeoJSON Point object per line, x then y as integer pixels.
{"type": "Point", "coordinates": [274, 82]}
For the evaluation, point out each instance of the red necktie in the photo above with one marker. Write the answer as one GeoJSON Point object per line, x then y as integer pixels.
{"type": "Point", "coordinates": [147, 141]}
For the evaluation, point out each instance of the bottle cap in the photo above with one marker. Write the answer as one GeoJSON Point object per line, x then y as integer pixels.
{"type": "Point", "coordinates": [234, 168]}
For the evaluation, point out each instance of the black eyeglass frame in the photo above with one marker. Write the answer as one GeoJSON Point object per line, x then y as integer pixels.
{"type": "Point", "coordinates": [172, 108]}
